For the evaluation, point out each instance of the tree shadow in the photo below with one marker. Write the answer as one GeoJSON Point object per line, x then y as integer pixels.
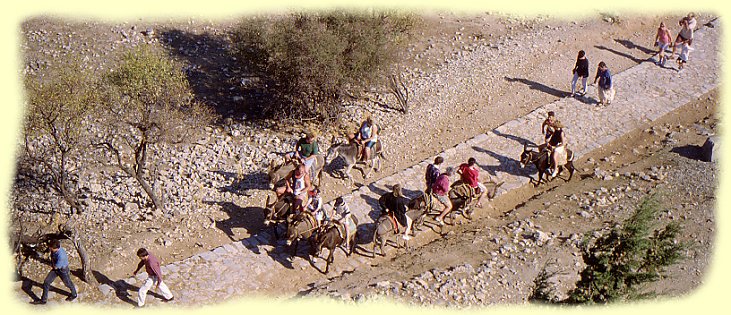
{"type": "Point", "coordinates": [692, 152]}
{"type": "Point", "coordinates": [628, 56]}
{"type": "Point", "coordinates": [213, 71]}
{"type": "Point", "coordinates": [630, 45]}
{"type": "Point", "coordinates": [258, 180]}
{"type": "Point", "coordinates": [506, 165]}
{"type": "Point", "coordinates": [520, 140]}
{"type": "Point", "coordinates": [533, 85]}
{"type": "Point", "coordinates": [249, 218]}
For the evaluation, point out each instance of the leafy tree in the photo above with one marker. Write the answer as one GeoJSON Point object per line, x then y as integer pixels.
{"type": "Point", "coordinates": [54, 131]}
{"type": "Point", "coordinates": [311, 61]}
{"type": "Point", "coordinates": [59, 104]}
{"type": "Point", "coordinates": [150, 101]}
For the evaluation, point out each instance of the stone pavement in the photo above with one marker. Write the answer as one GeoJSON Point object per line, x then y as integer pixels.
{"type": "Point", "coordinates": [645, 93]}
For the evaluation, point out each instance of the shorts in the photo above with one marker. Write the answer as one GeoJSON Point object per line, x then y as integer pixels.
{"type": "Point", "coordinates": [443, 199]}
{"type": "Point", "coordinates": [481, 187]}
{"type": "Point", "coordinates": [370, 144]}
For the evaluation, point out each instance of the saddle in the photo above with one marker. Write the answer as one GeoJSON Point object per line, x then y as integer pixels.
{"type": "Point", "coordinates": [340, 228]}
{"type": "Point", "coordinates": [308, 216]}
{"type": "Point", "coordinates": [462, 190]}
{"type": "Point", "coordinates": [392, 218]}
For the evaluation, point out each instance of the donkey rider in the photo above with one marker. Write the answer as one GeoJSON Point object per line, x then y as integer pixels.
{"type": "Point", "coordinates": [366, 138]}
{"type": "Point", "coordinates": [395, 205]}
{"type": "Point", "coordinates": [557, 146]}
{"type": "Point", "coordinates": [298, 183]}
{"type": "Point", "coordinates": [305, 151]}
{"type": "Point", "coordinates": [342, 211]}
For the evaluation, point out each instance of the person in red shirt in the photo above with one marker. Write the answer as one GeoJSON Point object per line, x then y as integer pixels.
{"type": "Point", "coordinates": [440, 189]}
{"type": "Point", "coordinates": [471, 176]}
{"type": "Point", "coordinates": [154, 277]}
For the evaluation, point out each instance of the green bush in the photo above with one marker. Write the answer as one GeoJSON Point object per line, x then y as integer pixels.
{"type": "Point", "coordinates": [309, 61]}
{"type": "Point", "coordinates": [620, 263]}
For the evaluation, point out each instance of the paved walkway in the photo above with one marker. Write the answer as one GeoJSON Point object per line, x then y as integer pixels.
{"type": "Point", "coordinates": [645, 93]}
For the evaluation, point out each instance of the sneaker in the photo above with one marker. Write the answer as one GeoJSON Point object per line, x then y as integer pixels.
{"type": "Point", "coordinates": [405, 237]}
{"type": "Point", "coordinates": [439, 221]}
{"type": "Point", "coordinates": [71, 298]}
{"type": "Point", "coordinates": [168, 300]}
{"type": "Point", "coordinates": [38, 302]}
{"type": "Point", "coordinates": [554, 173]}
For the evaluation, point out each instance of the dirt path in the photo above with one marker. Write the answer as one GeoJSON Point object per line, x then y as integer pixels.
{"type": "Point", "coordinates": [469, 75]}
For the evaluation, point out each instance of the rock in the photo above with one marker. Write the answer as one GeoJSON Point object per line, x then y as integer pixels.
{"type": "Point", "coordinates": [711, 149]}
{"type": "Point", "coordinates": [105, 289]}
{"type": "Point", "coordinates": [131, 207]}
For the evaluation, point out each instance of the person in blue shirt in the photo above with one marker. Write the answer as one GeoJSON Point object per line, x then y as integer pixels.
{"type": "Point", "coordinates": [59, 268]}
{"type": "Point", "coordinates": [606, 86]}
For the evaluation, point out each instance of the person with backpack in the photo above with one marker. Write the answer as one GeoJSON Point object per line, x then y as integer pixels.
{"type": "Point", "coordinates": [606, 86]}
{"type": "Point", "coordinates": [432, 172]}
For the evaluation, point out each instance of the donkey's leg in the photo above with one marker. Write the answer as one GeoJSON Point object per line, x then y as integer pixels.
{"type": "Point", "coordinates": [570, 167]}
{"type": "Point", "coordinates": [329, 259]}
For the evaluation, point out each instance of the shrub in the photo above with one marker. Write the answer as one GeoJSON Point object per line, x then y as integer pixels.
{"type": "Point", "coordinates": [621, 262]}
{"type": "Point", "coordinates": [310, 61]}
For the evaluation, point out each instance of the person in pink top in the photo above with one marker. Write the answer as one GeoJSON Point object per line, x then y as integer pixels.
{"type": "Point", "coordinates": [663, 39]}
{"type": "Point", "coordinates": [471, 176]}
{"type": "Point", "coordinates": [440, 189]}
{"type": "Point", "coordinates": [154, 277]}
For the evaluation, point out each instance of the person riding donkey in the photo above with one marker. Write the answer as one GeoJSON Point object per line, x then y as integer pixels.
{"type": "Point", "coordinates": [394, 204]}
{"type": "Point", "coordinates": [470, 175]}
{"type": "Point", "coordinates": [305, 151]}
{"type": "Point", "coordinates": [366, 138]}
{"type": "Point", "coordinates": [297, 183]}
{"type": "Point", "coordinates": [547, 128]}
{"type": "Point", "coordinates": [315, 207]}
{"type": "Point", "coordinates": [440, 190]}
{"type": "Point", "coordinates": [342, 211]}
{"type": "Point", "coordinates": [557, 147]}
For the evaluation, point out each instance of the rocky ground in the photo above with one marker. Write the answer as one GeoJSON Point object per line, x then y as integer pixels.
{"type": "Point", "coordinates": [486, 67]}
{"type": "Point", "coordinates": [495, 259]}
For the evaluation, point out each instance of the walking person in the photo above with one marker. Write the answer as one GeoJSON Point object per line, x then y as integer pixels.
{"type": "Point", "coordinates": [605, 88]}
{"type": "Point", "coordinates": [432, 172]}
{"type": "Point", "coordinates": [581, 70]}
{"type": "Point", "coordinates": [154, 277]}
{"type": "Point", "coordinates": [663, 38]}
{"type": "Point", "coordinates": [685, 35]}
{"type": "Point", "coordinates": [59, 268]}
{"type": "Point", "coordinates": [683, 56]}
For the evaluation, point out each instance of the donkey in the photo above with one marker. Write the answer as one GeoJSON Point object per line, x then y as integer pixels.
{"type": "Point", "coordinates": [302, 226]}
{"type": "Point", "coordinates": [278, 171]}
{"type": "Point", "coordinates": [331, 238]}
{"type": "Point", "coordinates": [417, 210]}
{"type": "Point", "coordinates": [349, 152]}
{"type": "Point", "coordinates": [277, 211]}
{"type": "Point", "coordinates": [542, 160]}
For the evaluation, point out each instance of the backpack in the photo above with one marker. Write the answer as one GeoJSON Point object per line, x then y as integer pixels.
{"type": "Point", "coordinates": [432, 172]}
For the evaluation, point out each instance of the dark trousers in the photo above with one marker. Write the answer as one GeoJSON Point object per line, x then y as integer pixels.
{"type": "Point", "coordinates": [64, 274]}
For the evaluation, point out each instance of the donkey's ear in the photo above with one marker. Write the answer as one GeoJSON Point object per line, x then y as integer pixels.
{"type": "Point", "coordinates": [332, 140]}
{"type": "Point", "coordinates": [525, 146]}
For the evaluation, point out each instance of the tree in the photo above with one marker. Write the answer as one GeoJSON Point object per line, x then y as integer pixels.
{"type": "Point", "coordinates": [621, 262]}
{"type": "Point", "coordinates": [149, 102]}
{"type": "Point", "coordinates": [310, 61]}
{"type": "Point", "coordinates": [54, 131]}
{"type": "Point", "coordinates": [55, 140]}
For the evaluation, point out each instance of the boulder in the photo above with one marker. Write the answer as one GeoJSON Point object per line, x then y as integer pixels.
{"type": "Point", "coordinates": [710, 149]}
